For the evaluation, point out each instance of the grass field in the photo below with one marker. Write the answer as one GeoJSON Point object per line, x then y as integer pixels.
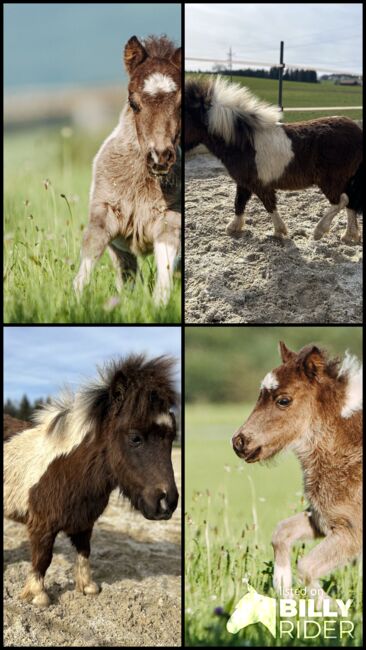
{"type": "Point", "coordinates": [231, 511]}
{"type": "Point", "coordinates": [43, 232]}
{"type": "Point", "coordinates": [303, 95]}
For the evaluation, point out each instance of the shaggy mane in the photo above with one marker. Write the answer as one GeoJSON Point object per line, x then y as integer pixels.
{"type": "Point", "coordinates": [351, 369]}
{"type": "Point", "coordinates": [136, 388]}
{"type": "Point", "coordinates": [159, 47]}
{"type": "Point", "coordinates": [234, 106]}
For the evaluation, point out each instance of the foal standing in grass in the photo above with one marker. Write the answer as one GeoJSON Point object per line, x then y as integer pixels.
{"type": "Point", "coordinates": [135, 193]}
{"type": "Point", "coordinates": [312, 405]}
{"type": "Point", "coordinates": [59, 474]}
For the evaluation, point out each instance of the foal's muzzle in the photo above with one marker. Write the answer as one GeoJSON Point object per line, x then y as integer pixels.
{"type": "Point", "coordinates": [161, 506]}
{"type": "Point", "coordinates": [242, 448]}
{"type": "Point", "coordinates": [159, 163]}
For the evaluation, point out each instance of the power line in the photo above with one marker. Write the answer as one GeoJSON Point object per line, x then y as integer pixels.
{"type": "Point", "coordinates": [271, 65]}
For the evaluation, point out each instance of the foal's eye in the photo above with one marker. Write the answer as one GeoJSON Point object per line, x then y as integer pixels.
{"type": "Point", "coordinates": [283, 401]}
{"type": "Point", "coordinates": [135, 439]}
{"type": "Point", "coordinates": [135, 107]}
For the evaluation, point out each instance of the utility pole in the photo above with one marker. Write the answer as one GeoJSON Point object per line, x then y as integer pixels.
{"type": "Point", "coordinates": [230, 55]}
{"type": "Point", "coordinates": [280, 73]}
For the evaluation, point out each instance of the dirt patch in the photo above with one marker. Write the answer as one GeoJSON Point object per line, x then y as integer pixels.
{"type": "Point", "coordinates": [253, 277]}
{"type": "Point", "coordinates": [136, 562]}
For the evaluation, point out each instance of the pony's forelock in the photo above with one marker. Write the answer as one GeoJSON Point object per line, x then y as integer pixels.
{"type": "Point", "coordinates": [77, 414]}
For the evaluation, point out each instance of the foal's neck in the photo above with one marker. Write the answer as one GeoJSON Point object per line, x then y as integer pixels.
{"type": "Point", "coordinates": [330, 455]}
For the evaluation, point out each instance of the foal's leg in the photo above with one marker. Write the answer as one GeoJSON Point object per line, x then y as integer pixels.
{"type": "Point", "coordinates": [287, 532]}
{"type": "Point", "coordinates": [337, 548]}
{"type": "Point", "coordinates": [83, 579]}
{"type": "Point", "coordinates": [166, 248]}
{"type": "Point", "coordinates": [42, 545]}
{"type": "Point", "coordinates": [125, 265]}
{"type": "Point", "coordinates": [241, 199]}
{"type": "Point", "coordinates": [326, 221]}
{"type": "Point", "coordinates": [102, 227]}
{"type": "Point", "coordinates": [352, 234]}
{"type": "Point", "coordinates": [268, 198]}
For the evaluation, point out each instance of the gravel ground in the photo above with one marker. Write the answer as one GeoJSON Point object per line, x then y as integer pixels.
{"type": "Point", "coordinates": [136, 562]}
{"type": "Point", "coordinates": [253, 277]}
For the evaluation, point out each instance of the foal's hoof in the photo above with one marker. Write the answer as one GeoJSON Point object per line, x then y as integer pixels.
{"type": "Point", "coordinates": [351, 238]}
{"type": "Point", "coordinates": [91, 589]}
{"type": "Point", "coordinates": [233, 228]}
{"type": "Point", "coordinates": [318, 233]}
{"type": "Point", "coordinates": [40, 600]}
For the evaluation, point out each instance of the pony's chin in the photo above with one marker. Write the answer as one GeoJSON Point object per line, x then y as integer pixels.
{"type": "Point", "coordinates": [160, 174]}
{"type": "Point", "coordinates": [253, 456]}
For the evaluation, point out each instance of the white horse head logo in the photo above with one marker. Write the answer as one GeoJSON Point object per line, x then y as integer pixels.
{"type": "Point", "coordinates": [253, 608]}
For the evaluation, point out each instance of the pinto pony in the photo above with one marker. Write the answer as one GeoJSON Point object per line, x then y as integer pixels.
{"type": "Point", "coordinates": [135, 193]}
{"type": "Point", "coordinates": [262, 155]}
{"type": "Point", "coordinates": [312, 405]}
{"type": "Point", "coordinates": [116, 432]}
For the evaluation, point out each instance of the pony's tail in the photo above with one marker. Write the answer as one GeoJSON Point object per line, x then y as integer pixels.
{"type": "Point", "coordinates": [354, 191]}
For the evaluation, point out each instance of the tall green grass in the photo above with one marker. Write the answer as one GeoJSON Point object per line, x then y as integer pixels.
{"type": "Point", "coordinates": [231, 511]}
{"type": "Point", "coordinates": [47, 181]}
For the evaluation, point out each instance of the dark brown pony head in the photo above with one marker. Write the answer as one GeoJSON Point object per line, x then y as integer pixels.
{"type": "Point", "coordinates": [134, 411]}
{"type": "Point", "coordinates": [197, 101]}
{"type": "Point", "coordinates": [154, 95]}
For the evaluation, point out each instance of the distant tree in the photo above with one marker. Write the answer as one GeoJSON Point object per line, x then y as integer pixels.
{"type": "Point", "coordinates": [25, 408]}
{"type": "Point", "coordinates": [218, 67]}
{"type": "Point", "coordinates": [10, 408]}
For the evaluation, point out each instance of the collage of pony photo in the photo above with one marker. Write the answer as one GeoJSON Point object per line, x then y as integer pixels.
{"type": "Point", "coordinates": [183, 325]}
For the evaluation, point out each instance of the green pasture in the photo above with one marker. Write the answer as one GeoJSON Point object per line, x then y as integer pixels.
{"type": "Point", "coordinates": [231, 510]}
{"type": "Point", "coordinates": [47, 181]}
{"type": "Point", "coordinates": [303, 95]}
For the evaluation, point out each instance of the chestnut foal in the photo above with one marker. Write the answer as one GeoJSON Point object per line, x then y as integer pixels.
{"type": "Point", "coordinates": [312, 405]}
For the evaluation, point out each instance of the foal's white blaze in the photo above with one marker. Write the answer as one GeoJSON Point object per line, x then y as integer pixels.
{"type": "Point", "coordinates": [352, 369]}
{"type": "Point", "coordinates": [159, 83]}
{"type": "Point", "coordinates": [270, 382]}
{"type": "Point", "coordinates": [164, 419]}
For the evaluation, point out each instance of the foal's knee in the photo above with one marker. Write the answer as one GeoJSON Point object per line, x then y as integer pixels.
{"type": "Point", "coordinates": [280, 537]}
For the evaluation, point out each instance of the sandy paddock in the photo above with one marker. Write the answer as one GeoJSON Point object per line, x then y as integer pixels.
{"type": "Point", "coordinates": [253, 277]}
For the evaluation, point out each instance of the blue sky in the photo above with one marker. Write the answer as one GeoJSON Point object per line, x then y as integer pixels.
{"type": "Point", "coordinates": [40, 360]}
{"type": "Point", "coordinates": [76, 44]}
{"type": "Point", "coordinates": [314, 34]}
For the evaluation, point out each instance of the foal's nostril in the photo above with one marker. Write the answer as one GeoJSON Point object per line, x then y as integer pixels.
{"type": "Point", "coordinates": [169, 155]}
{"type": "Point", "coordinates": [238, 443]}
{"type": "Point", "coordinates": [164, 505]}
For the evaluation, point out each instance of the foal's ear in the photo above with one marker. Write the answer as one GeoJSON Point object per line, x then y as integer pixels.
{"type": "Point", "coordinates": [312, 361]}
{"type": "Point", "coordinates": [177, 58]}
{"type": "Point", "coordinates": [118, 387]}
{"type": "Point", "coordinates": [285, 353]}
{"type": "Point", "coordinates": [134, 54]}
